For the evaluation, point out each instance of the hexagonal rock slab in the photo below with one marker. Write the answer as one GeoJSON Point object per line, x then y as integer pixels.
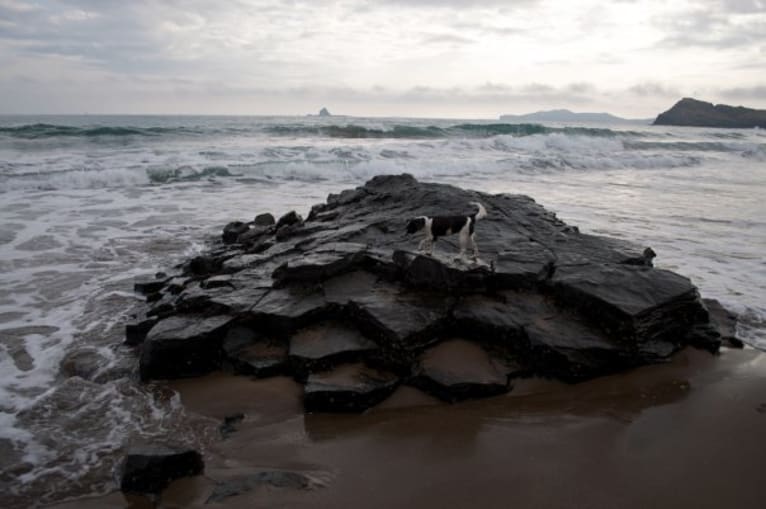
{"type": "Point", "coordinates": [251, 353]}
{"type": "Point", "coordinates": [457, 369]}
{"type": "Point", "coordinates": [323, 344]}
{"type": "Point", "coordinates": [348, 388]}
{"type": "Point", "coordinates": [182, 346]}
{"type": "Point", "coordinates": [638, 304]}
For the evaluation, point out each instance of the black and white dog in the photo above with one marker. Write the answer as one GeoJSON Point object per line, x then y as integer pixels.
{"type": "Point", "coordinates": [440, 226]}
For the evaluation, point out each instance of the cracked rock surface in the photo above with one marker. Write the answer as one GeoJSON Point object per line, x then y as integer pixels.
{"type": "Point", "coordinates": [343, 302]}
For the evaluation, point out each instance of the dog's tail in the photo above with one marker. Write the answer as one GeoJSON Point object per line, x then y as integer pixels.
{"type": "Point", "coordinates": [482, 213]}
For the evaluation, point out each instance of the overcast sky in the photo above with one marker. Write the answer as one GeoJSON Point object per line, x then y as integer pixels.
{"type": "Point", "coordinates": [434, 58]}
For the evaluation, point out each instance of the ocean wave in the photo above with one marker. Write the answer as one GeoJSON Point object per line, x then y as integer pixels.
{"type": "Point", "coordinates": [466, 130]}
{"type": "Point", "coordinates": [42, 131]}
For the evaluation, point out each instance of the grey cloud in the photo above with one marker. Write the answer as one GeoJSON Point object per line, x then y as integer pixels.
{"type": "Point", "coordinates": [651, 89]}
{"type": "Point", "coordinates": [757, 92]}
{"type": "Point", "coordinates": [711, 28]}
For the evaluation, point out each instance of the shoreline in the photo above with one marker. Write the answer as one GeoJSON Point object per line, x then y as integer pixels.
{"type": "Point", "coordinates": [688, 433]}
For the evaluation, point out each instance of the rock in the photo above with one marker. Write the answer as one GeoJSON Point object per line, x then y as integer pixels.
{"type": "Point", "coordinates": [691, 112]}
{"type": "Point", "coordinates": [229, 425]}
{"type": "Point", "coordinates": [360, 309]}
{"type": "Point", "coordinates": [148, 286]}
{"type": "Point", "coordinates": [254, 236]}
{"type": "Point", "coordinates": [264, 220]}
{"type": "Point", "coordinates": [182, 346]}
{"type": "Point", "coordinates": [638, 305]}
{"type": "Point", "coordinates": [135, 332]}
{"type": "Point", "coordinates": [203, 265]}
{"type": "Point", "coordinates": [725, 323]}
{"type": "Point", "coordinates": [84, 362]}
{"type": "Point", "coordinates": [288, 219]}
{"type": "Point", "coordinates": [252, 354]}
{"type": "Point", "coordinates": [347, 388]}
{"type": "Point", "coordinates": [233, 230]}
{"type": "Point", "coordinates": [321, 345]}
{"type": "Point", "coordinates": [324, 113]}
{"type": "Point", "coordinates": [457, 369]}
{"type": "Point", "coordinates": [149, 469]}
{"type": "Point", "coordinates": [222, 280]}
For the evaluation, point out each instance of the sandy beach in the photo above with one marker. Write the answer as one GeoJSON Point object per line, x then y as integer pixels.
{"type": "Point", "coordinates": [689, 433]}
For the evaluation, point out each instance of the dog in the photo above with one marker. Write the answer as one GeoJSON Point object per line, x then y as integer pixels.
{"type": "Point", "coordinates": [441, 226]}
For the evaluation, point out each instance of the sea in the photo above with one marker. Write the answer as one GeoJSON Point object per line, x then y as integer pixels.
{"type": "Point", "coordinates": [90, 203]}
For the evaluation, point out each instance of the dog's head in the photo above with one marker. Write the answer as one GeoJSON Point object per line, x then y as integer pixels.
{"type": "Point", "coordinates": [415, 225]}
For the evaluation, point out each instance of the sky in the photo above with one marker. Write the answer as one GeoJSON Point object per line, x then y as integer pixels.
{"type": "Point", "coordinates": [416, 58]}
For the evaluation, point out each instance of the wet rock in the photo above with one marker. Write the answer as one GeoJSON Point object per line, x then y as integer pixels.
{"type": "Point", "coordinates": [265, 219]}
{"type": "Point", "coordinates": [229, 425]}
{"type": "Point", "coordinates": [233, 230]}
{"type": "Point", "coordinates": [149, 469]}
{"type": "Point", "coordinates": [250, 353]}
{"type": "Point", "coordinates": [253, 235]}
{"type": "Point", "coordinates": [324, 344]}
{"type": "Point", "coordinates": [288, 219]}
{"type": "Point", "coordinates": [347, 291]}
{"type": "Point", "coordinates": [725, 323]}
{"type": "Point", "coordinates": [637, 304]}
{"type": "Point", "coordinates": [457, 369]}
{"type": "Point", "coordinates": [83, 362]}
{"type": "Point", "coordinates": [347, 388]}
{"type": "Point", "coordinates": [203, 265]}
{"type": "Point", "coordinates": [442, 273]}
{"type": "Point", "coordinates": [217, 281]}
{"type": "Point", "coordinates": [182, 346]}
{"type": "Point", "coordinates": [148, 286]}
{"type": "Point", "coordinates": [317, 267]}
{"type": "Point", "coordinates": [135, 332]}
{"type": "Point", "coordinates": [524, 264]}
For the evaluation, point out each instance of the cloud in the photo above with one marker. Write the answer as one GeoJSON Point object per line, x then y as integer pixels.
{"type": "Point", "coordinates": [757, 92]}
{"type": "Point", "coordinates": [653, 89]}
{"type": "Point", "coordinates": [714, 28]}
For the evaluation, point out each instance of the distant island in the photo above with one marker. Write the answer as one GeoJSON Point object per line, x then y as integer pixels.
{"type": "Point", "coordinates": [570, 116]}
{"type": "Point", "coordinates": [691, 112]}
{"type": "Point", "coordinates": [324, 113]}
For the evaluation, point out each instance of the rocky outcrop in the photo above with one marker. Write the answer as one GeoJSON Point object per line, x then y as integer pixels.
{"type": "Point", "coordinates": [344, 303]}
{"type": "Point", "coordinates": [691, 112]}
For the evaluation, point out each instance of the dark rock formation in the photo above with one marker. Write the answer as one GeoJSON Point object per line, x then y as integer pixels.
{"type": "Point", "coordinates": [344, 303]}
{"type": "Point", "coordinates": [691, 112]}
{"type": "Point", "coordinates": [150, 469]}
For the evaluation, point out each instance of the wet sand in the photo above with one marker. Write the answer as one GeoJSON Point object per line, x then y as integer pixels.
{"type": "Point", "coordinates": [690, 433]}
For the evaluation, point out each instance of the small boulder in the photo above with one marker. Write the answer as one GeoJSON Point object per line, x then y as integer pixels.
{"type": "Point", "coordinates": [288, 219]}
{"type": "Point", "coordinates": [233, 230]}
{"type": "Point", "coordinates": [84, 362]}
{"type": "Point", "coordinates": [149, 469]}
{"type": "Point", "coordinates": [264, 220]}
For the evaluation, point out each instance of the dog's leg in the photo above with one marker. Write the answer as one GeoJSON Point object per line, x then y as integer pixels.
{"type": "Point", "coordinates": [474, 247]}
{"type": "Point", "coordinates": [464, 239]}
